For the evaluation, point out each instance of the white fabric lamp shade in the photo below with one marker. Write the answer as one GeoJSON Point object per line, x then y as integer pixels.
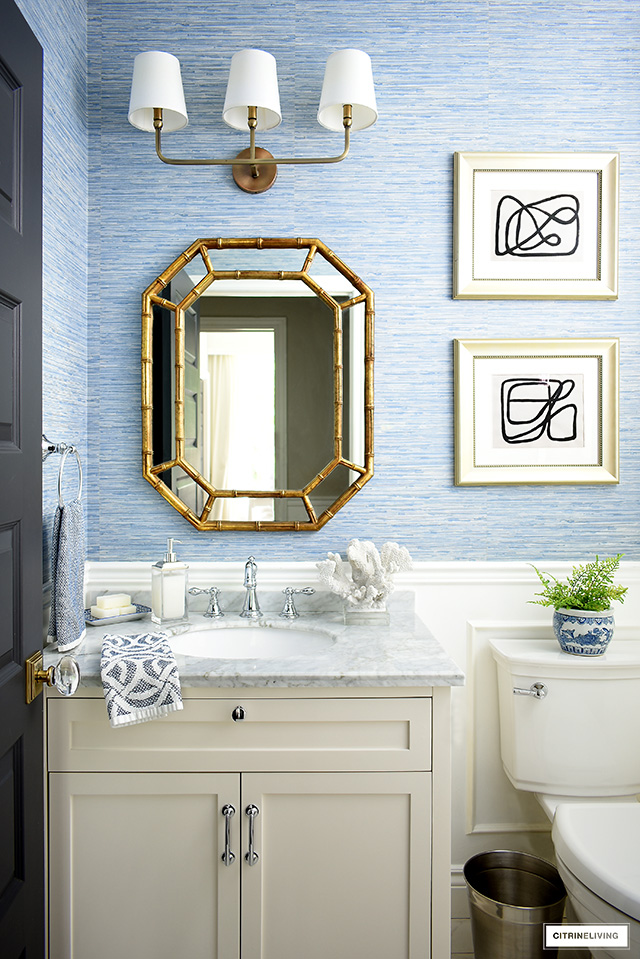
{"type": "Point", "coordinates": [348, 78]}
{"type": "Point", "coordinates": [253, 82]}
{"type": "Point", "coordinates": [157, 82]}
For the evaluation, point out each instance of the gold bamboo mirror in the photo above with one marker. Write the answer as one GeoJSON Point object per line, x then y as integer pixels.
{"type": "Point", "coordinates": [257, 384]}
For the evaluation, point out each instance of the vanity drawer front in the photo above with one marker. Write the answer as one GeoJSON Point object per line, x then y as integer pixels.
{"type": "Point", "coordinates": [276, 734]}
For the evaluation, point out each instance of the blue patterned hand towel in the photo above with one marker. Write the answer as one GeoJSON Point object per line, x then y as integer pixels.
{"type": "Point", "coordinates": [139, 677]}
{"type": "Point", "coordinates": [66, 622]}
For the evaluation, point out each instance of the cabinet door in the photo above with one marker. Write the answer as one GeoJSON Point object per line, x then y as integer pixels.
{"type": "Point", "coordinates": [136, 866]}
{"type": "Point", "coordinates": [343, 866]}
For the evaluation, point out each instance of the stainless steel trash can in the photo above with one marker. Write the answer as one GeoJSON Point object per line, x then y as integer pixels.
{"type": "Point", "coordinates": [511, 896]}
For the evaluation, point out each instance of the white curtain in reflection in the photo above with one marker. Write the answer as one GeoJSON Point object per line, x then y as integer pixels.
{"type": "Point", "coordinates": [218, 406]}
{"type": "Point", "coordinates": [228, 434]}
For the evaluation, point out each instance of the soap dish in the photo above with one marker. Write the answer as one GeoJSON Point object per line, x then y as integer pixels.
{"type": "Point", "coordinates": [107, 620]}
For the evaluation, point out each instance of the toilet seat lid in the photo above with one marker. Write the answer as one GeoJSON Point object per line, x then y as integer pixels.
{"type": "Point", "coordinates": [600, 844]}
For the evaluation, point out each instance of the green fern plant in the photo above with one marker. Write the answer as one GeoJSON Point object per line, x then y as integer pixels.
{"type": "Point", "coordinates": [588, 587]}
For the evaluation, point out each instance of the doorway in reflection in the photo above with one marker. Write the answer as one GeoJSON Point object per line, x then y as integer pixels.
{"type": "Point", "coordinates": [243, 411]}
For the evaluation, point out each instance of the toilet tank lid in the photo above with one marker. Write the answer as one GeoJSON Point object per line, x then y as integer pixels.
{"type": "Point", "coordinates": [621, 658]}
{"type": "Point", "coordinates": [598, 843]}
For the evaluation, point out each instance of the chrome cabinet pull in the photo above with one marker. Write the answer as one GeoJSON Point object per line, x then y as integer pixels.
{"type": "Point", "coordinates": [238, 714]}
{"type": "Point", "coordinates": [539, 690]}
{"type": "Point", "coordinates": [227, 856]}
{"type": "Point", "coordinates": [251, 856]}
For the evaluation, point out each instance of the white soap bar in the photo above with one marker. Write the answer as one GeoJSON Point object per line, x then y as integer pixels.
{"type": "Point", "coordinates": [113, 601]}
{"type": "Point", "coordinates": [99, 613]}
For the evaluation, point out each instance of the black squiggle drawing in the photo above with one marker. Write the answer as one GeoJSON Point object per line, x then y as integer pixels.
{"type": "Point", "coordinates": [530, 409]}
{"type": "Point", "coordinates": [547, 227]}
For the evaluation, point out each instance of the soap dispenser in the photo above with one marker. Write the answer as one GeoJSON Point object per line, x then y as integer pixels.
{"type": "Point", "coordinates": [169, 581]}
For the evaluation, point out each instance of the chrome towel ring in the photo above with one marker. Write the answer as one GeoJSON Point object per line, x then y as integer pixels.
{"type": "Point", "coordinates": [47, 448]}
{"type": "Point", "coordinates": [65, 453]}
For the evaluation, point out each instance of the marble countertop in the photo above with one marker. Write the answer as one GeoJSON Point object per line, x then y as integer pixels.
{"type": "Point", "coordinates": [400, 653]}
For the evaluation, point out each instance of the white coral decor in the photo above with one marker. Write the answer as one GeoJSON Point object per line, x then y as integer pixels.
{"type": "Point", "coordinates": [366, 579]}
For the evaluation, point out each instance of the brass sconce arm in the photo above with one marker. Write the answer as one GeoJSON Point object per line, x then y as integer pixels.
{"type": "Point", "coordinates": [246, 172]}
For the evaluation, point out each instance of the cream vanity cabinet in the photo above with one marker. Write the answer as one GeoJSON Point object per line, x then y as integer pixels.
{"type": "Point", "coordinates": [315, 826]}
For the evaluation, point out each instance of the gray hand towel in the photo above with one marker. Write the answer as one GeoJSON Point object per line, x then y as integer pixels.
{"type": "Point", "coordinates": [66, 623]}
{"type": "Point", "coordinates": [139, 677]}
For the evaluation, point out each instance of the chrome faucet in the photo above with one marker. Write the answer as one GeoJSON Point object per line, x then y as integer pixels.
{"type": "Point", "coordinates": [251, 608]}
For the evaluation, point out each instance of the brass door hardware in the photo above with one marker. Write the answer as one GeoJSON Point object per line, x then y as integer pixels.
{"type": "Point", "coordinates": [65, 676]}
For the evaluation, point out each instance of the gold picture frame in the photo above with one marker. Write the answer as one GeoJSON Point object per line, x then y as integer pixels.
{"type": "Point", "coordinates": [536, 226]}
{"type": "Point", "coordinates": [536, 411]}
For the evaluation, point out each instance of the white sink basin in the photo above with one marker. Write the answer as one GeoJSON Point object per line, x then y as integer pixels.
{"type": "Point", "coordinates": [251, 642]}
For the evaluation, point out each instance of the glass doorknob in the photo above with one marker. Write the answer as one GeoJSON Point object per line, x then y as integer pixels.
{"type": "Point", "coordinates": [65, 676]}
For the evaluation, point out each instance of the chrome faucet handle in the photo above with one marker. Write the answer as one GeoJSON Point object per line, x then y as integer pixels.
{"type": "Point", "coordinates": [289, 610]}
{"type": "Point", "coordinates": [213, 609]}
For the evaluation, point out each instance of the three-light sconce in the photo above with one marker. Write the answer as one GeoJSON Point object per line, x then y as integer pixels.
{"type": "Point", "coordinates": [347, 103]}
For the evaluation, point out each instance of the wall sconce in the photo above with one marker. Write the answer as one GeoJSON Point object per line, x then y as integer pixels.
{"type": "Point", "coordinates": [347, 102]}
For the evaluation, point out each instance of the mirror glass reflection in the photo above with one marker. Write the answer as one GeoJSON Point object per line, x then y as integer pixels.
{"type": "Point", "coordinates": [273, 388]}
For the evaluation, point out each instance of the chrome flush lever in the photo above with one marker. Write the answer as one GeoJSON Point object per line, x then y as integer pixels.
{"type": "Point", "coordinates": [251, 856]}
{"type": "Point", "coordinates": [227, 856]}
{"type": "Point", "coordinates": [539, 690]}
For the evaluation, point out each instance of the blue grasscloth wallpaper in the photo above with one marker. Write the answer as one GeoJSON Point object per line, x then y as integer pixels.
{"type": "Point", "coordinates": [450, 75]}
{"type": "Point", "coordinates": [61, 28]}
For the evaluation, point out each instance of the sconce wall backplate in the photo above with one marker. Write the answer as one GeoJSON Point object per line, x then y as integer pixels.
{"type": "Point", "coordinates": [258, 178]}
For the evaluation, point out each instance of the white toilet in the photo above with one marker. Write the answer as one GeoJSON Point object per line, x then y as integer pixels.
{"type": "Point", "coordinates": [570, 733]}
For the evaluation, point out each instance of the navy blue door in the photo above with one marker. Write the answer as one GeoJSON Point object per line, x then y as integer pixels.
{"type": "Point", "coordinates": [21, 770]}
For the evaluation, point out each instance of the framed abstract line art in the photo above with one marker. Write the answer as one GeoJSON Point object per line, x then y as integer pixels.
{"type": "Point", "coordinates": [536, 226]}
{"type": "Point", "coordinates": [536, 411]}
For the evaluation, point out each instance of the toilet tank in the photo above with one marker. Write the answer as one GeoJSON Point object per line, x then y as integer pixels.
{"type": "Point", "coordinates": [583, 737]}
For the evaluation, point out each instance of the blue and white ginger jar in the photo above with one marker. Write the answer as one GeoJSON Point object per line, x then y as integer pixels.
{"type": "Point", "coordinates": [583, 632]}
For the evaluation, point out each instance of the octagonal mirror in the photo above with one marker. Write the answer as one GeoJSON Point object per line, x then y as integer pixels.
{"type": "Point", "coordinates": [257, 384]}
